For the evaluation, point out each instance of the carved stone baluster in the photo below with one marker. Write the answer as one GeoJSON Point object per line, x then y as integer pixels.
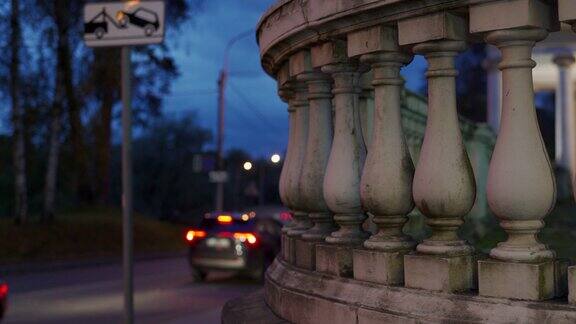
{"type": "Point", "coordinates": [318, 144]}
{"type": "Point", "coordinates": [342, 179]}
{"type": "Point", "coordinates": [567, 13]}
{"type": "Point", "coordinates": [286, 94]}
{"type": "Point", "coordinates": [386, 185]}
{"type": "Point", "coordinates": [299, 102]}
{"type": "Point", "coordinates": [521, 187]}
{"type": "Point", "coordinates": [444, 188]}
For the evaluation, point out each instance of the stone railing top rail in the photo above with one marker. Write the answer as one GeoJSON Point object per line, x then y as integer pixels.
{"type": "Point", "coordinates": [290, 25]}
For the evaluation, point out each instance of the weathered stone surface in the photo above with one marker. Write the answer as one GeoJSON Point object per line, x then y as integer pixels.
{"type": "Point", "coordinates": [378, 266]}
{"type": "Point", "coordinates": [438, 26]}
{"type": "Point", "coordinates": [567, 10]}
{"type": "Point", "coordinates": [334, 259]}
{"type": "Point", "coordinates": [329, 53]}
{"type": "Point", "coordinates": [366, 316]}
{"type": "Point", "coordinates": [300, 296]}
{"type": "Point", "coordinates": [496, 15]}
{"type": "Point", "coordinates": [288, 249]}
{"type": "Point", "coordinates": [305, 254]}
{"type": "Point", "coordinates": [572, 285]}
{"type": "Point", "coordinates": [518, 280]}
{"type": "Point", "coordinates": [300, 62]}
{"type": "Point", "coordinates": [251, 308]}
{"type": "Point", "coordinates": [437, 273]}
{"type": "Point", "coordinates": [374, 39]}
{"type": "Point", "coordinates": [285, 247]}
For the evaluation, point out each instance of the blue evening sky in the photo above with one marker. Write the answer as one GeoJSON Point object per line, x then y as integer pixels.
{"type": "Point", "coordinates": [256, 120]}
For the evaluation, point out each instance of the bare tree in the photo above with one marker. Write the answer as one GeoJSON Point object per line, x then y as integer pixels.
{"type": "Point", "coordinates": [19, 147]}
{"type": "Point", "coordinates": [62, 54]}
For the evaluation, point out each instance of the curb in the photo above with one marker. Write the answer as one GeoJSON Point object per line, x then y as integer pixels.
{"type": "Point", "coordinates": [35, 267]}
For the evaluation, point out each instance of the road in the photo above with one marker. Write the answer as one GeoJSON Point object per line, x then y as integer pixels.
{"type": "Point", "coordinates": [165, 293]}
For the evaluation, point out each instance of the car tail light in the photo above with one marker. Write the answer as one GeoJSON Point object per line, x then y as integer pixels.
{"type": "Point", "coordinates": [3, 290]}
{"type": "Point", "coordinates": [285, 216]}
{"type": "Point", "coordinates": [192, 235]}
{"type": "Point", "coordinates": [246, 237]}
{"type": "Point", "coordinates": [224, 219]}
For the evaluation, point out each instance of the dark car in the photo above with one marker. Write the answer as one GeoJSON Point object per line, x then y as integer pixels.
{"type": "Point", "coordinates": [3, 298]}
{"type": "Point", "coordinates": [141, 17]}
{"type": "Point", "coordinates": [236, 242]}
{"type": "Point", "coordinates": [97, 25]}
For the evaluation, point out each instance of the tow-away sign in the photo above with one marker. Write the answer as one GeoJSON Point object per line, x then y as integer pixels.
{"type": "Point", "coordinates": [124, 23]}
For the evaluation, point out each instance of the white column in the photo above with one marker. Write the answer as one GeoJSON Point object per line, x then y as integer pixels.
{"type": "Point", "coordinates": [521, 187]}
{"type": "Point", "coordinates": [386, 186]}
{"type": "Point", "coordinates": [444, 185]}
{"type": "Point", "coordinates": [318, 148]}
{"type": "Point", "coordinates": [300, 104]}
{"type": "Point", "coordinates": [565, 116]}
{"type": "Point", "coordinates": [285, 93]}
{"type": "Point", "coordinates": [342, 180]}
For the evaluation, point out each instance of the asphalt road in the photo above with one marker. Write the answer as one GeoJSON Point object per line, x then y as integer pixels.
{"type": "Point", "coordinates": [165, 293]}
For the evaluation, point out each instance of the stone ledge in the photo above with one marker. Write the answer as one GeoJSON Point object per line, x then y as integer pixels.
{"type": "Point", "coordinates": [302, 296]}
{"type": "Point", "coordinates": [249, 309]}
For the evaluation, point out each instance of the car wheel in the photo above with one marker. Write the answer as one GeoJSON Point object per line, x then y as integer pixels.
{"type": "Point", "coordinates": [99, 32]}
{"type": "Point", "coordinates": [149, 30]}
{"type": "Point", "coordinates": [198, 275]}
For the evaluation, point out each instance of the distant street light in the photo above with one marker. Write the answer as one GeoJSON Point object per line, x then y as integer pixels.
{"type": "Point", "coordinates": [247, 166]}
{"type": "Point", "coordinates": [275, 158]}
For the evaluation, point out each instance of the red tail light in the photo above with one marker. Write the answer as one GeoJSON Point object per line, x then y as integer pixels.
{"type": "Point", "coordinates": [191, 235]}
{"type": "Point", "coordinates": [3, 291]}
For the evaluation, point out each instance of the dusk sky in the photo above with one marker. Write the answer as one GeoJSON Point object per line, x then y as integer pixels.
{"type": "Point", "coordinates": [256, 119]}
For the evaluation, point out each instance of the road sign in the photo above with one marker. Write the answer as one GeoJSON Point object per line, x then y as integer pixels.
{"type": "Point", "coordinates": [124, 23]}
{"type": "Point", "coordinates": [218, 176]}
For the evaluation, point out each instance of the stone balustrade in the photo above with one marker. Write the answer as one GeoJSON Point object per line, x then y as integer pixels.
{"type": "Point", "coordinates": [351, 155]}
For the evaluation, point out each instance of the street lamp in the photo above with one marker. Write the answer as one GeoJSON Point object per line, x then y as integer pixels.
{"type": "Point", "coordinates": [222, 78]}
{"type": "Point", "coordinates": [247, 165]}
{"type": "Point", "coordinates": [275, 158]}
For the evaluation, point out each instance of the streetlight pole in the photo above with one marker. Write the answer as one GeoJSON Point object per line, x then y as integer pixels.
{"type": "Point", "coordinates": [222, 78]}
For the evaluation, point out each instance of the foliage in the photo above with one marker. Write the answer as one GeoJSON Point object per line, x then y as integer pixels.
{"type": "Point", "coordinates": [85, 234]}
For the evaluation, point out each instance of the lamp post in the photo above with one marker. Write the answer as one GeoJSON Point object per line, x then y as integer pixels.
{"type": "Point", "coordinates": [222, 78]}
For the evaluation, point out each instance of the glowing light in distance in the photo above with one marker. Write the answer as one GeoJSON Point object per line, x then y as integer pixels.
{"type": "Point", "coordinates": [245, 217]}
{"type": "Point", "coordinates": [191, 235]}
{"type": "Point", "coordinates": [243, 237]}
{"type": "Point", "coordinates": [275, 158]}
{"type": "Point", "coordinates": [247, 166]}
{"type": "Point", "coordinates": [224, 219]}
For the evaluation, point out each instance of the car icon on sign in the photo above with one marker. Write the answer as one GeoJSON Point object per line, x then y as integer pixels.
{"type": "Point", "coordinates": [98, 25]}
{"type": "Point", "coordinates": [141, 17]}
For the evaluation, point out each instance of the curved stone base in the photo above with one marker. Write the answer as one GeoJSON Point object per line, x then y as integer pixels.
{"type": "Point", "coordinates": [302, 296]}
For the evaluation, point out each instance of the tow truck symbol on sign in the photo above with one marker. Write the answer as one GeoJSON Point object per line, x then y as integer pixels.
{"type": "Point", "coordinates": [141, 17]}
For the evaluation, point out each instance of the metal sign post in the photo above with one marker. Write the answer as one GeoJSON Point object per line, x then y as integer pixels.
{"type": "Point", "coordinates": [125, 23]}
{"type": "Point", "coordinates": [127, 214]}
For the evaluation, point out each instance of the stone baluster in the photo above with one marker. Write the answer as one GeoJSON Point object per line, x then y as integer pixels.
{"type": "Point", "coordinates": [318, 145]}
{"type": "Point", "coordinates": [342, 179]}
{"type": "Point", "coordinates": [299, 102]}
{"type": "Point", "coordinates": [285, 92]}
{"type": "Point", "coordinates": [567, 13]}
{"type": "Point", "coordinates": [521, 186]}
{"type": "Point", "coordinates": [444, 188]}
{"type": "Point", "coordinates": [386, 183]}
